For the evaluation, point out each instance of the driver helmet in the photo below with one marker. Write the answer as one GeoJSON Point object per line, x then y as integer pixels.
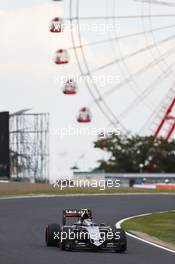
{"type": "Point", "coordinates": [85, 215]}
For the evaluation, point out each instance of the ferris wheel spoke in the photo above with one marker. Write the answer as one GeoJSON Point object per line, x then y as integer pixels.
{"type": "Point", "coordinates": [138, 73]}
{"type": "Point", "coordinates": [123, 17]}
{"type": "Point", "coordinates": [169, 4]}
{"type": "Point", "coordinates": [138, 52]}
{"type": "Point", "coordinates": [122, 37]}
{"type": "Point", "coordinates": [131, 78]}
{"type": "Point", "coordinates": [135, 103]}
{"type": "Point", "coordinates": [134, 75]}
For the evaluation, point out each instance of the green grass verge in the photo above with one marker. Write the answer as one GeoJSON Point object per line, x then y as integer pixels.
{"type": "Point", "coordinates": [56, 191]}
{"type": "Point", "coordinates": [159, 225]}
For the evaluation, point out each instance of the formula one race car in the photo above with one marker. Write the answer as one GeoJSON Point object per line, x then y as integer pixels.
{"type": "Point", "coordinates": [84, 233]}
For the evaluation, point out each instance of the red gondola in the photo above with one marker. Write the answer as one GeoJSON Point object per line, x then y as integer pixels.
{"type": "Point", "coordinates": [61, 57]}
{"type": "Point", "coordinates": [56, 25]}
{"type": "Point", "coordinates": [70, 87]}
{"type": "Point", "coordinates": [84, 115]}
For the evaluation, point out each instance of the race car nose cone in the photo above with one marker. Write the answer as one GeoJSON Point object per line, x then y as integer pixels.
{"type": "Point", "coordinates": [96, 242]}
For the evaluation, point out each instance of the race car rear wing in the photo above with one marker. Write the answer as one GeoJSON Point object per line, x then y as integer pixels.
{"type": "Point", "coordinates": [74, 213]}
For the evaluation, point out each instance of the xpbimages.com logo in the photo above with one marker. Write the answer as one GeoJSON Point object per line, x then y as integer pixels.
{"type": "Point", "coordinates": [93, 183]}
{"type": "Point", "coordinates": [78, 132]}
{"type": "Point", "coordinates": [84, 235]}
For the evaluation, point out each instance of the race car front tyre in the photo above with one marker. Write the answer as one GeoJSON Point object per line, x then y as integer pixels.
{"type": "Point", "coordinates": [66, 243]}
{"type": "Point", "coordinates": [121, 248]}
{"type": "Point", "coordinates": [120, 240]}
{"type": "Point", "coordinates": [52, 235]}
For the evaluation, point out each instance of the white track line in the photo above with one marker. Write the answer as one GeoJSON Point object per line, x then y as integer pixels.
{"type": "Point", "coordinates": [77, 195]}
{"type": "Point", "coordinates": [118, 225]}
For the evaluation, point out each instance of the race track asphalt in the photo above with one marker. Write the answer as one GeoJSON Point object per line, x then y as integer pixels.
{"type": "Point", "coordinates": [22, 223]}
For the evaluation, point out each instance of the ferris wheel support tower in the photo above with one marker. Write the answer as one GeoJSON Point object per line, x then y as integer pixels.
{"type": "Point", "coordinates": [167, 124]}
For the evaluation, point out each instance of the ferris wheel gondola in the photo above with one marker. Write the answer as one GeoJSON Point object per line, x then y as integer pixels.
{"type": "Point", "coordinates": [61, 57]}
{"type": "Point", "coordinates": [56, 25]}
{"type": "Point", "coordinates": [70, 87]}
{"type": "Point", "coordinates": [84, 115]}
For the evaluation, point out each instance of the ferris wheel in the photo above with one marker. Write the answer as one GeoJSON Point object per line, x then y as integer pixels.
{"type": "Point", "coordinates": [125, 57]}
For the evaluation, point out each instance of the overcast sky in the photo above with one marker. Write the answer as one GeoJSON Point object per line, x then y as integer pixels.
{"type": "Point", "coordinates": [29, 78]}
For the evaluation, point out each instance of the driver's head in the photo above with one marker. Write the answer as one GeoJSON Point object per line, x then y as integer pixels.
{"type": "Point", "coordinates": [85, 215]}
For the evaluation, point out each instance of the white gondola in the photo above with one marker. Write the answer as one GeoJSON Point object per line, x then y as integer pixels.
{"type": "Point", "coordinates": [84, 115]}
{"type": "Point", "coordinates": [56, 25]}
{"type": "Point", "coordinates": [61, 57]}
{"type": "Point", "coordinates": [70, 87]}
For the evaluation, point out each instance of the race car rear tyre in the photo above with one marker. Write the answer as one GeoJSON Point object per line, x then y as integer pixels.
{"type": "Point", "coordinates": [52, 235]}
{"type": "Point", "coordinates": [121, 245]}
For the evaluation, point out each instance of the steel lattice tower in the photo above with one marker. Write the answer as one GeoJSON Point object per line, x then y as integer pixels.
{"type": "Point", "coordinates": [29, 145]}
